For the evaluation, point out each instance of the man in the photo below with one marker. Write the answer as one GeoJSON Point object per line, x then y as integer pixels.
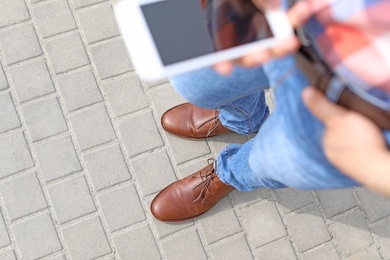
{"type": "Point", "coordinates": [308, 142]}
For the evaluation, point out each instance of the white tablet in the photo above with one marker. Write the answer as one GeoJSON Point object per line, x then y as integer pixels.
{"type": "Point", "coordinates": [169, 37]}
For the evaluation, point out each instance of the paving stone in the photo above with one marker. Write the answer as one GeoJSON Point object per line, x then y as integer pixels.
{"type": "Point", "coordinates": [219, 224]}
{"type": "Point", "coordinates": [382, 231]}
{"type": "Point", "coordinates": [262, 223]}
{"type": "Point", "coordinates": [66, 53]}
{"type": "Point", "coordinates": [53, 17]}
{"type": "Point", "coordinates": [32, 80]}
{"type": "Point", "coordinates": [111, 58]}
{"type": "Point", "coordinates": [121, 207]}
{"type": "Point", "coordinates": [20, 43]}
{"type": "Point", "coordinates": [186, 246]}
{"type": "Point", "coordinates": [57, 158]}
{"type": "Point", "coordinates": [44, 119]}
{"type": "Point", "coordinates": [137, 244]}
{"type": "Point", "coordinates": [375, 206]}
{"type": "Point", "coordinates": [371, 254]}
{"type": "Point", "coordinates": [86, 240]}
{"type": "Point", "coordinates": [8, 114]}
{"type": "Point", "coordinates": [79, 89]}
{"type": "Point", "coordinates": [71, 199]}
{"type": "Point", "coordinates": [82, 3]}
{"type": "Point", "coordinates": [13, 11]}
{"type": "Point", "coordinates": [22, 196]}
{"type": "Point", "coordinates": [151, 84]}
{"type": "Point", "coordinates": [8, 255]}
{"type": "Point", "coordinates": [37, 237]}
{"type": "Point", "coordinates": [125, 95]}
{"type": "Point", "coordinates": [140, 134]}
{"type": "Point", "coordinates": [107, 167]}
{"type": "Point", "coordinates": [336, 201]}
{"type": "Point", "coordinates": [4, 238]}
{"type": "Point", "coordinates": [241, 198]}
{"type": "Point", "coordinates": [232, 249]}
{"type": "Point", "coordinates": [164, 98]}
{"type": "Point", "coordinates": [98, 23]}
{"type": "Point", "coordinates": [292, 199]}
{"type": "Point", "coordinates": [93, 127]}
{"type": "Point", "coordinates": [14, 154]}
{"type": "Point", "coordinates": [3, 79]}
{"type": "Point", "coordinates": [351, 232]}
{"type": "Point", "coordinates": [153, 172]}
{"type": "Point", "coordinates": [276, 250]}
{"type": "Point", "coordinates": [307, 228]}
{"type": "Point", "coordinates": [323, 252]}
{"type": "Point", "coordinates": [220, 142]}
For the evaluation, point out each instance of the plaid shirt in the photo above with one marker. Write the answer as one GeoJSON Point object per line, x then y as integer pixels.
{"type": "Point", "coordinates": [353, 37]}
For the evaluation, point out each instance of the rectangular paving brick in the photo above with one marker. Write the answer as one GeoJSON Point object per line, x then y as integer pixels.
{"type": "Point", "coordinates": [38, 77]}
{"type": "Point", "coordinates": [98, 23]}
{"type": "Point", "coordinates": [137, 244]}
{"type": "Point", "coordinates": [3, 79]}
{"type": "Point", "coordinates": [107, 167]}
{"type": "Point", "coordinates": [125, 95]}
{"type": "Point", "coordinates": [79, 89]}
{"type": "Point", "coordinates": [20, 43]}
{"type": "Point", "coordinates": [350, 232]}
{"type": "Point", "coordinates": [307, 228]}
{"type": "Point", "coordinates": [121, 207]}
{"type": "Point", "coordinates": [375, 206]}
{"type": "Point", "coordinates": [83, 3]}
{"type": "Point", "coordinates": [262, 223]}
{"type": "Point", "coordinates": [86, 240]}
{"type": "Point", "coordinates": [57, 158]}
{"type": "Point", "coordinates": [13, 11]}
{"type": "Point", "coordinates": [8, 255]}
{"type": "Point", "coordinates": [44, 119]}
{"type": "Point", "coordinates": [93, 127]}
{"type": "Point", "coordinates": [4, 237]}
{"type": "Point", "coordinates": [37, 237]}
{"type": "Point", "coordinates": [22, 196]}
{"type": "Point", "coordinates": [53, 17]}
{"type": "Point", "coordinates": [8, 114]}
{"type": "Point", "coordinates": [71, 199]}
{"type": "Point", "coordinates": [186, 246]}
{"type": "Point", "coordinates": [153, 172]}
{"type": "Point", "coordinates": [336, 201]}
{"type": "Point", "coordinates": [111, 58]}
{"type": "Point", "coordinates": [241, 198]}
{"type": "Point", "coordinates": [371, 254]}
{"type": "Point", "coordinates": [291, 199]}
{"type": "Point", "coordinates": [140, 134]}
{"type": "Point", "coordinates": [326, 251]}
{"type": "Point", "coordinates": [382, 231]}
{"type": "Point", "coordinates": [277, 250]}
{"type": "Point", "coordinates": [220, 224]}
{"type": "Point", "coordinates": [66, 53]}
{"type": "Point", "coordinates": [14, 154]}
{"type": "Point", "coordinates": [232, 248]}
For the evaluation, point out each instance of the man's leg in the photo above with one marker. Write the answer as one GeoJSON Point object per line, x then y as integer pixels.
{"type": "Point", "coordinates": [239, 99]}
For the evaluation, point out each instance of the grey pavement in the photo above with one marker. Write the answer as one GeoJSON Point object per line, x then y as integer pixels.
{"type": "Point", "coordinates": [82, 154]}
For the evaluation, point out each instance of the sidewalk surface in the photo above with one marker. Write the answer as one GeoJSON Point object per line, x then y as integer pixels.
{"type": "Point", "coordinates": [82, 154]}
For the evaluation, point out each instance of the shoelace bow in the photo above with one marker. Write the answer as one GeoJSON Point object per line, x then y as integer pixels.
{"type": "Point", "coordinates": [213, 126]}
{"type": "Point", "coordinates": [207, 179]}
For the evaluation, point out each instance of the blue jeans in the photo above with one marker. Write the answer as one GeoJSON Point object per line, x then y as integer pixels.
{"type": "Point", "coordinates": [287, 150]}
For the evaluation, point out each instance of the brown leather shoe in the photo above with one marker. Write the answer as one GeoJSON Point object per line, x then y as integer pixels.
{"type": "Point", "coordinates": [189, 121]}
{"type": "Point", "coordinates": [190, 197]}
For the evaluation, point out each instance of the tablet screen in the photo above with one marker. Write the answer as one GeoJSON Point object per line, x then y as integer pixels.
{"type": "Point", "coordinates": [185, 29]}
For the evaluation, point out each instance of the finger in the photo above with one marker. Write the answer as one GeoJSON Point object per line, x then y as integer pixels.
{"type": "Point", "coordinates": [299, 13]}
{"type": "Point", "coordinates": [320, 106]}
{"type": "Point", "coordinates": [224, 68]}
{"type": "Point", "coordinates": [267, 4]}
{"type": "Point", "coordinates": [289, 45]}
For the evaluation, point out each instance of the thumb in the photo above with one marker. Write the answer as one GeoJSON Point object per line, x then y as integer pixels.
{"type": "Point", "coordinates": [320, 106]}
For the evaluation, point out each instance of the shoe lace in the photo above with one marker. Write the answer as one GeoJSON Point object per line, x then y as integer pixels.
{"type": "Point", "coordinates": [214, 125]}
{"type": "Point", "coordinates": [207, 179]}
